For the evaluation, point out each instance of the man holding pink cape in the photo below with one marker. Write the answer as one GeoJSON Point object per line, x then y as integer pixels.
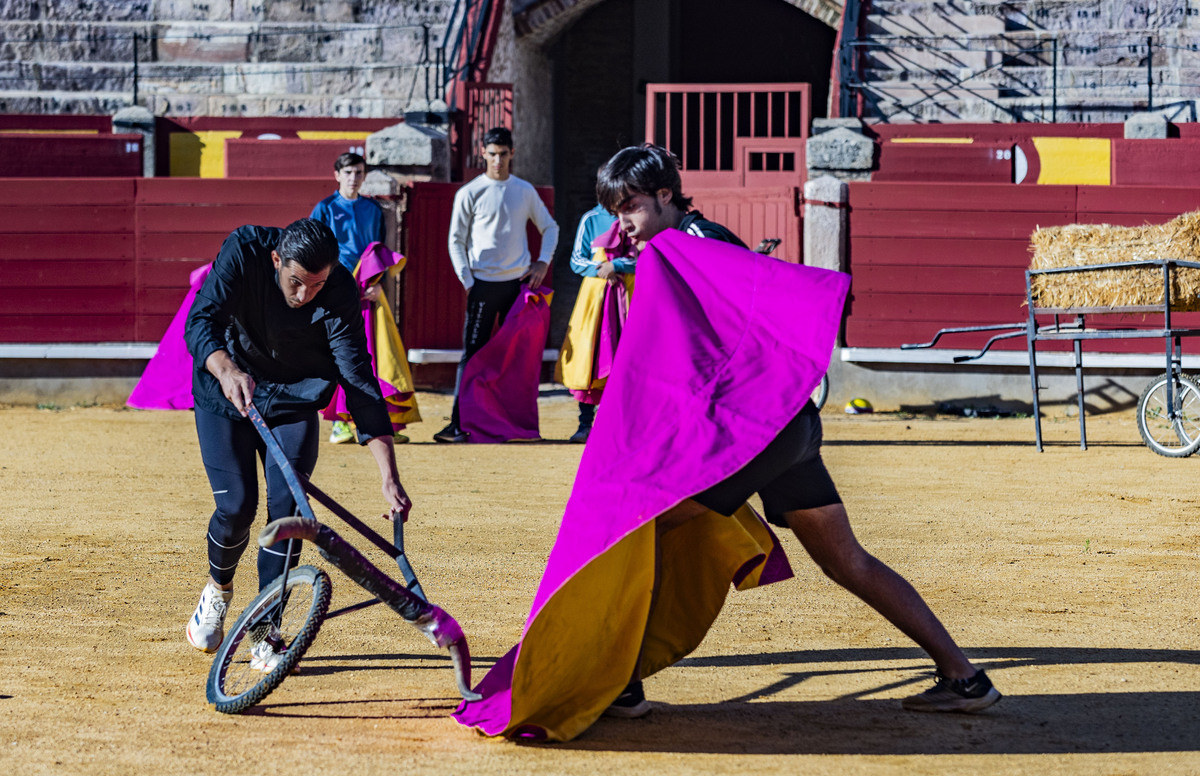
{"type": "Point", "coordinates": [707, 403]}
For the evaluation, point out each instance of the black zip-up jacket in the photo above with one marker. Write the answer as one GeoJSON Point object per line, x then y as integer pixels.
{"type": "Point", "coordinates": [297, 357]}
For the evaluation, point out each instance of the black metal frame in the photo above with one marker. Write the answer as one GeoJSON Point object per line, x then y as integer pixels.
{"type": "Point", "coordinates": [301, 488]}
{"type": "Point", "coordinates": [1076, 331]}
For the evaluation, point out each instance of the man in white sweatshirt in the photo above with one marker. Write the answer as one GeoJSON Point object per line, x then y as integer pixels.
{"type": "Point", "coordinates": [490, 252]}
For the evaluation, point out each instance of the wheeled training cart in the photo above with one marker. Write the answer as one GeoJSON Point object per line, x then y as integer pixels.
{"type": "Point", "coordinates": [1168, 412]}
{"type": "Point", "coordinates": [288, 613]}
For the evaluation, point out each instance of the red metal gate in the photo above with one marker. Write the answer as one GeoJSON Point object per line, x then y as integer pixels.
{"type": "Point", "coordinates": [486, 105]}
{"type": "Point", "coordinates": [741, 148]}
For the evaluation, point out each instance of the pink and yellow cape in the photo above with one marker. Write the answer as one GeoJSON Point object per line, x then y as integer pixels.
{"type": "Point", "coordinates": [713, 364]}
{"type": "Point", "coordinates": [383, 340]}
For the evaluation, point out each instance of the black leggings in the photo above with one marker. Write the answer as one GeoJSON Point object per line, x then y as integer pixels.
{"type": "Point", "coordinates": [487, 302]}
{"type": "Point", "coordinates": [231, 450]}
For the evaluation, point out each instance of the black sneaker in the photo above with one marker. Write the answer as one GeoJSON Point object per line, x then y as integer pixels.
{"type": "Point", "coordinates": [966, 695]}
{"type": "Point", "coordinates": [451, 434]}
{"type": "Point", "coordinates": [630, 704]}
{"type": "Point", "coordinates": [581, 436]}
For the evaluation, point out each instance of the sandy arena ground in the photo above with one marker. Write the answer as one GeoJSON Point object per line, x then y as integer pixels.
{"type": "Point", "coordinates": [1072, 576]}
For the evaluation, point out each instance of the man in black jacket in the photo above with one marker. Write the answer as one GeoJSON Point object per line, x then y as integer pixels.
{"type": "Point", "coordinates": [276, 323]}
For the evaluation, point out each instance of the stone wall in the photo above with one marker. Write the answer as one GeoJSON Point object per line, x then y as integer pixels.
{"type": "Point", "coordinates": [342, 58]}
{"type": "Point", "coordinates": [993, 60]}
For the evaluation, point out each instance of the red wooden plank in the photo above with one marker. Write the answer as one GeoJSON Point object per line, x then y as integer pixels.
{"type": "Point", "coordinates": [217, 218]}
{"type": "Point", "coordinates": [1168, 201]}
{"type": "Point", "coordinates": [151, 328]}
{"type": "Point", "coordinates": [49, 219]}
{"type": "Point", "coordinates": [1150, 162]}
{"type": "Point", "coordinates": [160, 301]}
{"type": "Point", "coordinates": [967, 162]}
{"type": "Point", "coordinates": [938, 280]}
{"type": "Point", "coordinates": [53, 302]}
{"type": "Point", "coordinates": [979, 197]}
{"type": "Point", "coordinates": [195, 246]}
{"type": "Point", "coordinates": [962, 309]}
{"type": "Point", "coordinates": [68, 273]}
{"type": "Point", "coordinates": [996, 133]}
{"type": "Point", "coordinates": [976, 224]}
{"type": "Point", "coordinates": [63, 247]}
{"type": "Point", "coordinates": [285, 158]}
{"type": "Point", "coordinates": [225, 191]}
{"type": "Point", "coordinates": [67, 191]}
{"type": "Point", "coordinates": [98, 327]}
{"type": "Point", "coordinates": [166, 274]}
{"type": "Point", "coordinates": [17, 122]}
{"type": "Point", "coordinates": [919, 251]}
{"type": "Point", "coordinates": [76, 156]}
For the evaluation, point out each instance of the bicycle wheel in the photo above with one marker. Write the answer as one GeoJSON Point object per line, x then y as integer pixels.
{"type": "Point", "coordinates": [821, 392]}
{"type": "Point", "coordinates": [233, 685]}
{"type": "Point", "coordinates": [1173, 434]}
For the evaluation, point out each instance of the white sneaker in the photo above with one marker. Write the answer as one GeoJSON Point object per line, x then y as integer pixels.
{"type": "Point", "coordinates": [206, 628]}
{"type": "Point", "coordinates": [265, 656]}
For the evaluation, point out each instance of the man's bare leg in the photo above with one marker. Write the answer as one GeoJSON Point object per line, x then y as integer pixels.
{"type": "Point", "coordinates": [827, 537]}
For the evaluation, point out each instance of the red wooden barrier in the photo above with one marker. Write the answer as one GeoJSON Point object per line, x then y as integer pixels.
{"type": "Point", "coordinates": [434, 300]}
{"type": "Point", "coordinates": [965, 162]}
{"type": "Point", "coordinates": [1151, 162]}
{"type": "Point", "coordinates": [927, 256]}
{"type": "Point", "coordinates": [286, 158]}
{"type": "Point", "coordinates": [107, 259]}
{"type": "Point", "coordinates": [181, 223]}
{"type": "Point", "coordinates": [37, 155]}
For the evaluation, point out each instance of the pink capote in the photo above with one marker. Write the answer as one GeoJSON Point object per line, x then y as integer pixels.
{"type": "Point", "coordinates": [167, 382]}
{"type": "Point", "coordinates": [497, 401]}
{"type": "Point", "coordinates": [388, 357]}
{"type": "Point", "coordinates": [721, 351]}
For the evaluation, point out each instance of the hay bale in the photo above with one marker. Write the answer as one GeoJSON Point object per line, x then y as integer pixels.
{"type": "Point", "coordinates": [1078, 245]}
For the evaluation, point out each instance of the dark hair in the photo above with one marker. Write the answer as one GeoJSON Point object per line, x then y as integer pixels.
{"type": "Point", "coordinates": [643, 169]}
{"type": "Point", "coordinates": [347, 160]}
{"type": "Point", "coordinates": [310, 244]}
{"type": "Point", "coordinates": [501, 136]}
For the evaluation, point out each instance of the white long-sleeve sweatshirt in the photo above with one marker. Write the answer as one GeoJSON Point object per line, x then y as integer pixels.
{"type": "Point", "coordinates": [487, 229]}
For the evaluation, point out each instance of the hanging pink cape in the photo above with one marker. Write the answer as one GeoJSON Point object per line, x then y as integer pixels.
{"type": "Point", "coordinates": [167, 382]}
{"type": "Point", "coordinates": [388, 358]}
{"type": "Point", "coordinates": [720, 352]}
{"type": "Point", "coordinates": [497, 401]}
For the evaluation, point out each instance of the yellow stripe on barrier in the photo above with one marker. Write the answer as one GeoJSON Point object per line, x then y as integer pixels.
{"type": "Point", "coordinates": [1074, 160]}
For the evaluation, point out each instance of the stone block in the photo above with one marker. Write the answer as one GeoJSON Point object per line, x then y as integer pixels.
{"type": "Point", "coordinates": [85, 11]}
{"type": "Point", "coordinates": [1145, 15]}
{"type": "Point", "coordinates": [188, 42]}
{"type": "Point", "coordinates": [297, 105]}
{"type": "Point", "coordinates": [938, 55]}
{"type": "Point", "coordinates": [933, 22]}
{"type": "Point", "coordinates": [840, 149]}
{"type": "Point", "coordinates": [1059, 15]}
{"type": "Point", "coordinates": [193, 10]}
{"type": "Point", "coordinates": [358, 108]}
{"type": "Point", "coordinates": [1146, 126]}
{"type": "Point", "coordinates": [283, 43]}
{"type": "Point", "coordinates": [138, 120]}
{"type": "Point", "coordinates": [820, 126]}
{"type": "Point", "coordinates": [825, 226]}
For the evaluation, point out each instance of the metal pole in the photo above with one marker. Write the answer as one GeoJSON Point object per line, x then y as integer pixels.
{"type": "Point", "coordinates": [136, 36]}
{"type": "Point", "coordinates": [1149, 72]}
{"type": "Point", "coordinates": [1054, 87]}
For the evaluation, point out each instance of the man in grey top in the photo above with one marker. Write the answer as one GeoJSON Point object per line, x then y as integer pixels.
{"type": "Point", "coordinates": [490, 252]}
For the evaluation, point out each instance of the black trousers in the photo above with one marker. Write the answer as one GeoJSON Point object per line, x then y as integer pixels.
{"type": "Point", "coordinates": [231, 451]}
{"type": "Point", "coordinates": [487, 305]}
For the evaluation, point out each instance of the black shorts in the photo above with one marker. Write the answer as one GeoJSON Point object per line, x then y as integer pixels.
{"type": "Point", "coordinates": [789, 474]}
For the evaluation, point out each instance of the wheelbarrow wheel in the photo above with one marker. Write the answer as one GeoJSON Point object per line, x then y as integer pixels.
{"type": "Point", "coordinates": [1174, 434]}
{"type": "Point", "coordinates": [237, 680]}
{"type": "Point", "coordinates": [821, 392]}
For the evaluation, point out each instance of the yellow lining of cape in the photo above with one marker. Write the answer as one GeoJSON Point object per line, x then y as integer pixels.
{"type": "Point", "coordinates": [580, 651]}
